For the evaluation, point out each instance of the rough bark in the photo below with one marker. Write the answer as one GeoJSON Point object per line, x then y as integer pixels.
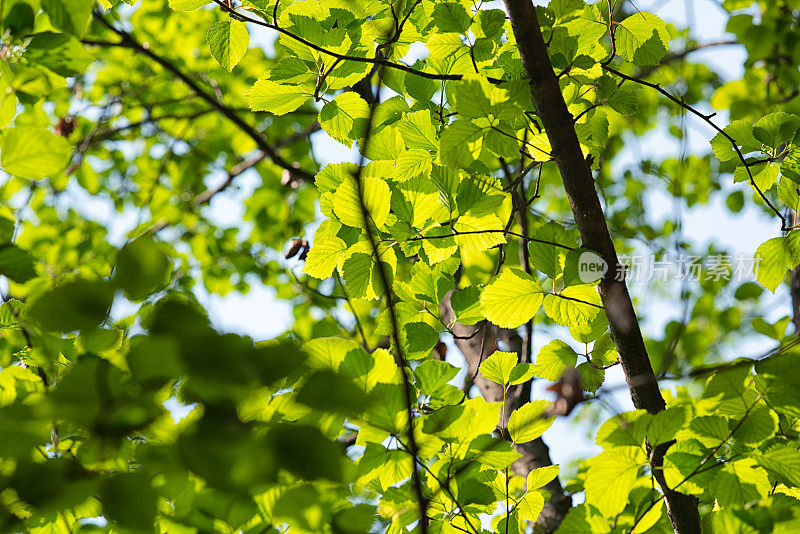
{"type": "Point", "coordinates": [535, 454]}
{"type": "Point", "coordinates": [590, 220]}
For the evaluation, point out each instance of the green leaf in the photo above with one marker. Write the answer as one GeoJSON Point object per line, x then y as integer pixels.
{"type": "Point", "coordinates": [625, 429]}
{"type": "Point", "coordinates": [19, 19]}
{"type": "Point", "coordinates": [439, 245]}
{"type": "Point", "coordinates": [622, 99]}
{"type": "Point", "coordinates": [345, 117]}
{"type": "Point", "coordinates": [782, 462]}
{"type": "Point", "coordinates": [642, 38]}
{"type": "Point", "coordinates": [463, 422]}
{"type": "Point", "coordinates": [71, 16]}
{"type": "Point", "coordinates": [511, 299]}
{"type": "Point", "coordinates": [75, 305]}
{"type": "Point", "coordinates": [360, 276]}
{"type": "Point", "coordinates": [68, 484]}
{"type": "Point", "coordinates": [411, 163]}
{"type": "Point", "coordinates": [757, 426]}
{"type": "Point", "coordinates": [460, 144]}
{"type": "Point", "coordinates": [529, 507]}
{"type": "Point", "coordinates": [773, 258]}
{"type": "Point", "coordinates": [386, 465]}
{"type": "Point", "coordinates": [433, 375]}
{"type": "Point", "coordinates": [492, 451]}
{"type": "Point", "coordinates": [451, 17]}
{"type": "Point", "coordinates": [16, 264]}
{"type": "Point", "coordinates": [277, 98]}
{"type": "Point", "coordinates": [376, 197]}
{"type": "Point", "coordinates": [60, 52]}
{"type": "Point", "coordinates": [593, 331]}
{"type": "Point", "coordinates": [473, 96]}
{"type": "Point", "coordinates": [430, 284]}
{"type": "Point", "coordinates": [228, 41]}
{"type": "Point", "coordinates": [466, 305]}
{"type": "Point", "coordinates": [537, 478]}
{"type": "Point", "coordinates": [324, 255]}
{"type": "Point", "coordinates": [418, 131]}
{"type": "Point", "coordinates": [611, 477]}
{"type": "Point", "coordinates": [420, 337]}
{"type": "Point", "coordinates": [777, 379]}
{"type": "Point", "coordinates": [305, 451]}
{"type": "Point", "coordinates": [422, 195]}
{"type": "Point", "coordinates": [742, 132]}
{"type": "Point", "coordinates": [739, 482]}
{"type": "Point", "coordinates": [765, 176]}
{"type": "Point", "coordinates": [547, 256]}
{"type": "Point", "coordinates": [328, 391]}
{"type": "Point", "coordinates": [33, 153]}
{"type": "Point", "coordinates": [521, 373]}
{"type": "Point", "coordinates": [142, 268]}
{"type": "Point", "coordinates": [788, 192]}
{"type": "Point", "coordinates": [498, 366]}
{"type": "Point", "coordinates": [553, 359]}
{"type": "Point", "coordinates": [527, 422]}
{"type": "Point", "coordinates": [187, 5]}
{"type": "Point", "coordinates": [665, 424]}
{"type": "Point", "coordinates": [583, 518]}
{"type": "Point", "coordinates": [476, 234]}
{"type": "Point", "coordinates": [490, 23]}
{"type": "Point", "coordinates": [573, 305]}
{"type": "Point", "coordinates": [776, 128]}
{"type": "Point", "coordinates": [7, 317]}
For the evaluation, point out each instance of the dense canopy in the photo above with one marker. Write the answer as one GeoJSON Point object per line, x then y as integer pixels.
{"type": "Point", "coordinates": [451, 199]}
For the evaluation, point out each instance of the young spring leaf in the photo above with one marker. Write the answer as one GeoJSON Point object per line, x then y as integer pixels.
{"type": "Point", "coordinates": [553, 359]}
{"type": "Point", "coordinates": [528, 422]}
{"type": "Point", "coordinates": [228, 41]}
{"type": "Point", "coordinates": [33, 153]}
{"type": "Point", "coordinates": [642, 38]}
{"type": "Point", "coordinates": [345, 117]}
{"type": "Point", "coordinates": [498, 367]}
{"type": "Point", "coordinates": [512, 299]}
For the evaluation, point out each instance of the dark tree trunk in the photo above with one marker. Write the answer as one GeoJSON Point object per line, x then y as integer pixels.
{"type": "Point", "coordinates": [590, 220]}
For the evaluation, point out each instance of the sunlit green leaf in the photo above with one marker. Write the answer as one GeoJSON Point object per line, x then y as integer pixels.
{"type": "Point", "coordinates": [33, 153]}
{"type": "Point", "coordinates": [228, 41]}
{"type": "Point", "coordinates": [512, 299]}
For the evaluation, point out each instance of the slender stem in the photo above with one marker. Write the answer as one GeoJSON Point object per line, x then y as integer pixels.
{"type": "Point", "coordinates": [707, 119]}
{"type": "Point", "coordinates": [401, 361]}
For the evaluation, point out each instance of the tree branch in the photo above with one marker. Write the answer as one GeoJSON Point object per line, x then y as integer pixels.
{"type": "Point", "coordinates": [128, 41]}
{"type": "Point", "coordinates": [591, 223]}
{"type": "Point", "coordinates": [377, 60]}
{"type": "Point", "coordinates": [707, 120]}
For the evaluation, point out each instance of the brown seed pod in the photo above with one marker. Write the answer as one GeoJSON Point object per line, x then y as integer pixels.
{"type": "Point", "coordinates": [294, 248]}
